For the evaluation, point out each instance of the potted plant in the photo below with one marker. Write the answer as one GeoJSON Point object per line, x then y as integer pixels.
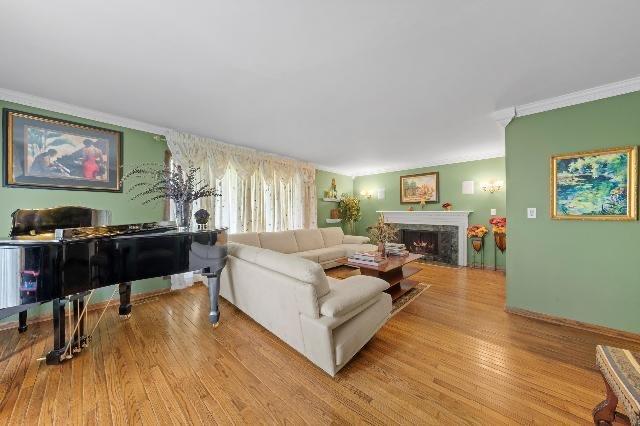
{"type": "Point", "coordinates": [476, 233]}
{"type": "Point", "coordinates": [499, 225]}
{"type": "Point", "coordinates": [349, 207]}
{"type": "Point", "coordinates": [381, 233]}
{"type": "Point", "coordinates": [156, 182]}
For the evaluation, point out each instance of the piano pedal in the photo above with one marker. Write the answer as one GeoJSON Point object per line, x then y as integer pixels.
{"type": "Point", "coordinates": [125, 317]}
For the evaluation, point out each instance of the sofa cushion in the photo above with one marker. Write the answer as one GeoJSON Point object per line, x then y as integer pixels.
{"type": "Point", "coordinates": [242, 251]}
{"type": "Point", "coordinates": [352, 248]}
{"type": "Point", "coordinates": [332, 236]}
{"type": "Point", "coordinates": [246, 238]}
{"type": "Point", "coordinates": [326, 254]}
{"type": "Point", "coordinates": [354, 239]}
{"type": "Point", "coordinates": [295, 267]}
{"type": "Point", "coordinates": [283, 241]}
{"type": "Point", "coordinates": [350, 293]}
{"type": "Point", "coordinates": [309, 255]}
{"type": "Point", "coordinates": [309, 239]}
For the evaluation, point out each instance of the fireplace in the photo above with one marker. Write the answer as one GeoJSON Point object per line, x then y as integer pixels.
{"type": "Point", "coordinates": [420, 242]}
{"type": "Point", "coordinates": [449, 226]}
{"type": "Point", "coordinates": [436, 243]}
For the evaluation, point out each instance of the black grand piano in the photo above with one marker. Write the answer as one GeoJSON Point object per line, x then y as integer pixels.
{"type": "Point", "coordinates": [61, 254]}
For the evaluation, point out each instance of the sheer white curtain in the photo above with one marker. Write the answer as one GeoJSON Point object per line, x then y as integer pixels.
{"type": "Point", "coordinates": [260, 192]}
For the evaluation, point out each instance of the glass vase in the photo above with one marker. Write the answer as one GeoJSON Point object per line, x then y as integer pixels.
{"type": "Point", "coordinates": [183, 215]}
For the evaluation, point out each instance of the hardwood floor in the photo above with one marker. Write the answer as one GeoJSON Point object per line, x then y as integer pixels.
{"type": "Point", "coordinates": [453, 356]}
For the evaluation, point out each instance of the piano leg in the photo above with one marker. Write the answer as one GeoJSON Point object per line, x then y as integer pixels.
{"type": "Point", "coordinates": [83, 339]}
{"type": "Point", "coordinates": [22, 322]}
{"type": "Point", "coordinates": [59, 339]}
{"type": "Point", "coordinates": [125, 300]}
{"type": "Point", "coordinates": [214, 291]}
{"type": "Point", "coordinates": [75, 345]}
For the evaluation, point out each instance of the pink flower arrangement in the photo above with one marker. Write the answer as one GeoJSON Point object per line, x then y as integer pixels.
{"type": "Point", "coordinates": [499, 224]}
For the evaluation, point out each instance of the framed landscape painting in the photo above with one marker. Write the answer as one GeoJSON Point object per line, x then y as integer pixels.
{"type": "Point", "coordinates": [415, 188]}
{"type": "Point", "coordinates": [42, 152]}
{"type": "Point", "coordinates": [595, 185]}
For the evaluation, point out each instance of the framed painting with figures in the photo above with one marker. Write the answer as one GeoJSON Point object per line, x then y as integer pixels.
{"type": "Point", "coordinates": [420, 187]}
{"type": "Point", "coordinates": [595, 185]}
{"type": "Point", "coordinates": [43, 152]}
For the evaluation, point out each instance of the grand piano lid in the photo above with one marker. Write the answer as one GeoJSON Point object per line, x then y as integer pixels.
{"type": "Point", "coordinates": [31, 223]}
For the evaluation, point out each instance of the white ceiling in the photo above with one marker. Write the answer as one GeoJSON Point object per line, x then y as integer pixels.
{"type": "Point", "coordinates": [351, 85]}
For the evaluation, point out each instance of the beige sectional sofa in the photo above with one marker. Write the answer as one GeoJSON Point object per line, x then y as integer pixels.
{"type": "Point", "coordinates": [323, 246]}
{"type": "Point", "coordinates": [325, 319]}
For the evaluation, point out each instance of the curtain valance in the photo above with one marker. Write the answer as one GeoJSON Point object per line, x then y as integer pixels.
{"type": "Point", "coordinates": [260, 191]}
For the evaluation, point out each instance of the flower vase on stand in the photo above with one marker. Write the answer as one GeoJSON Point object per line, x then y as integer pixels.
{"type": "Point", "coordinates": [477, 243]}
{"type": "Point", "coordinates": [501, 244]}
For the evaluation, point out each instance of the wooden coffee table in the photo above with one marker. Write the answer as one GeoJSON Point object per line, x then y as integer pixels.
{"type": "Point", "coordinates": [395, 270]}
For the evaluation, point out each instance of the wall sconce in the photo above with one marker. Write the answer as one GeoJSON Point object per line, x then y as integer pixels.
{"type": "Point", "coordinates": [468, 187]}
{"type": "Point", "coordinates": [492, 186]}
{"type": "Point", "coordinates": [366, 193]}
{"type": "Point", "coordinates": [369, 194]}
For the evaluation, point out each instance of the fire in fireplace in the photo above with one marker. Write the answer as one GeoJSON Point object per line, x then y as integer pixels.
{"type": "Point", "coordinates": [419, 241]}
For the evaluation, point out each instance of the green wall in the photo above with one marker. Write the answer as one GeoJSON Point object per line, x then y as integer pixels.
{"type": "Point", "coordinates": [344, 184]}
{"type": "Point", "coordinates": [451, 177]}
{"type": "Point", "coordinates": [581, 270]}
{"type": "Point", "coordinates": [138, 147]}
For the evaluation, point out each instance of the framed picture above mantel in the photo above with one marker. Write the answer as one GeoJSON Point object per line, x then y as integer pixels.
{"type": "Point", "coordinates": [419, 187]}
{"type": "Point", "coordinates": [595, 185]}
{"type": "Point", "coordinates": [44, 152]}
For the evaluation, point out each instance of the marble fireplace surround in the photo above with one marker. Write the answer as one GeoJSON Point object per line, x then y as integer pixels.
{"type": "Point", "coordinates": [459, 219]}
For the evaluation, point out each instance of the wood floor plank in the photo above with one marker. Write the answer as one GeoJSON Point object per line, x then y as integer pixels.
{"type": "Point", "coordinates": [453, 356]}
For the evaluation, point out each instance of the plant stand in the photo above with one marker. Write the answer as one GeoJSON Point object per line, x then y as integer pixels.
{"type": "Point", "coordinates": [478, 251]}
{"type": "Point", "coordinates": [500, 244]}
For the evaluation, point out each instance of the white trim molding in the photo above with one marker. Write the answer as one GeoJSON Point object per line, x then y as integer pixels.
{"type": "Point", "coordinates": [422, 164]}
{"type": "Point", "coordinates": [78, 111]}
{"type": "Point", "coordinates": [458, 218]}
{"type": "Point", "coordinates": [575, 98]}
{"type": "Point", "coordinates": [504, 116]}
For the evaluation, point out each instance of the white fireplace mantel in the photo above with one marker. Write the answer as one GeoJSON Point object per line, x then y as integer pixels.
{"type": "Point", "coordinates": [459, 218]}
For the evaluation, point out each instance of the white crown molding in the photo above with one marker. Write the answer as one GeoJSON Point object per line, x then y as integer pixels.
{"type": "Point", "coordinates": [332, 170]}
{"type": "Point", "coordinates": [504, 116]}
{"type": "Point", "coordinates": [78, 111]}
{"type": "Point", "coordinates": [422, 164]}
{"type": "Point", "coordinates": [575, 98]}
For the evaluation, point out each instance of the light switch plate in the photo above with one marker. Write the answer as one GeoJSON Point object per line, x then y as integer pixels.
{"type": "Point", "coordinates": [493, 212]}
{"type": "Point", "coordinates": [531, 213]}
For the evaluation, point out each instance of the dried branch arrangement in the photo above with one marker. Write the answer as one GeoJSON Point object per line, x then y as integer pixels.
{"type": "Point", "coordinates": [153, 181]}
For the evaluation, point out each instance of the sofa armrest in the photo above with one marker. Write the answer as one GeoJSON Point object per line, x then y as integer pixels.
{"type": "Point", "coordinates": [351, 295]}
{"type": "Point", "coordinates": [354, 239]}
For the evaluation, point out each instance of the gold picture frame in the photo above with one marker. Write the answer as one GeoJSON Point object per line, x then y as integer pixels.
{"type": "Point", "coordinates": [578, 191]}
{"type": "Point", "coordinates": [415, 188]}
{"type": "Point", "coordinates": [46, 152]}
